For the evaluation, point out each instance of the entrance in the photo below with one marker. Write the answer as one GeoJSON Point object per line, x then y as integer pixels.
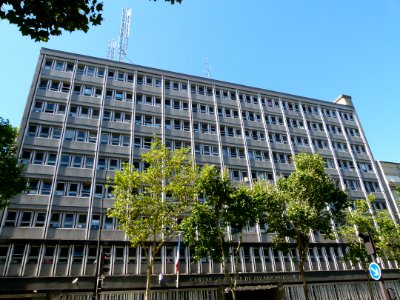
{"type": "Point", "coordinates": [267, 294]}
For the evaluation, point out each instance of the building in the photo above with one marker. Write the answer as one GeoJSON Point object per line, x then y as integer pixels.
{"type": "Point", "coordinates": [390, 174]}
{"type": "Point", "coordinates": [85, 116]}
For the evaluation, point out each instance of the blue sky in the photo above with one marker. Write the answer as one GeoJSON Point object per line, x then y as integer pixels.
{"type": "Point", "coordinates": [313, 48]}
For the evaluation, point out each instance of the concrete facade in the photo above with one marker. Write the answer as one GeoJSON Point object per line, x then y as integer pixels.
{"type": "Point", "coordinates": [85, 116]}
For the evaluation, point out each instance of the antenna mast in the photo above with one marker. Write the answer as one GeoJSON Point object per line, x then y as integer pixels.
{"type": "Point", "coordinates": [207, 68]}
{"type": "Point", "coordinates": [112, 44]}
{"type": "Point", "coordinates": [124, 33]}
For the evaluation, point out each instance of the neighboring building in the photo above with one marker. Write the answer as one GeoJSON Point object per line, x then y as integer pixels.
{"type": "Point", "coordinates": [85, 116]}
{"type": "Point", "coordinates": [390, 174]}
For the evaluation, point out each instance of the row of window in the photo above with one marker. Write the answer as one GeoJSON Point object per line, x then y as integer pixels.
{"type": "Point", "coordinates": [349, 166]}
{"type": "Point", "coordinates": [84, 112]}
{"type": "Point", "coordinates": [77, 161]}
{"type": "Point", "coordinates": [203, 108]}
{"type": "Point", "coordinates": [149, 100]}
{"type": "Point", "coordinates": [117, 116]}
{"type": "Point", "coordinates": [233, 152]}
{"type": "Point", "coordinates": [279, 138]}
{"type": "Point", "coordinates": [149, 80]}
{"type": "Point", "coordinates": [44, 131]}
{"type": "Point", "coordinates": [354, 185]}
{"type": "Point", "coordinates": [119, 75]}
{"type": "Point", "coordinates": [119, 95]}
{"type": "Point", "coordinates": [282, 158]}
{"type": "Point", "coordinates": [115, 139]}
{"type": "Point", "coordinates": [57, 220]}
{"type": "Point", "coordinates": [72, 189]}
{"type": "Point", "coordinates": [63, 253]}
{"type": "Point", "coordinates": [124, 140]}
{"type": "Point", "coordinates": [49, 107]}
{"type": "Point", "coordinates": [54, 85]}
{"type": "Point", "coordinates": [38, 157]}
{"type": "Point", "coordinates": [88, 90]}
{"type": "Point", "coordinates": [275, 120]}
{"type": "Point", "coordinates": [320, 144]}
{"type": "Point", "coordinates": [334, 129]}
{"type": "Point", "coordinates": [110, 163]}
{"type": "Point", "coordinates": [59, 65]}
{"type": "Point", "coordinates": [208, 150]}
{"type": "Point", "coordinates": [299, 141]}
{"type": "Point", "coordinates": [254, 135]}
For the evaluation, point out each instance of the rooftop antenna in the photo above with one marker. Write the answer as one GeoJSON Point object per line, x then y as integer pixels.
{"type": "Point", "coordinates": [124, 33]}
{"type": "Point", "coordinates": [207, 68]}
{"type": "Point", "coordinates": [112, 44]}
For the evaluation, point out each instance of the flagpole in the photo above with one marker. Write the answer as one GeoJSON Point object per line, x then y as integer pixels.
{"type": "Point", "coordinates": [177, 260]}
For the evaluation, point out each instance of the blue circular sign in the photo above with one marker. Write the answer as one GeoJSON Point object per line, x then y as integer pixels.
{"type": "Point", "coordinates": [375, 271]}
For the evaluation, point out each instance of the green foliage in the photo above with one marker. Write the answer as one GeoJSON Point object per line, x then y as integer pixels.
{"type": "Point", "coordinates": [143, 213]}
{"type": "Point", "coordinates": [42, 19]}
{"type": "Point", "coordinates": [386, 235]}
{"type": "Point", "coordinates": [205, 227]}
{"type": "Point", "coordinates": [225, 206]}
{"type": "Point", "coordinates": [298, 205]}
{"type": "Point", "coordinates": [302, 200]}
{"type": "Point", "coordinates": [11, 180]}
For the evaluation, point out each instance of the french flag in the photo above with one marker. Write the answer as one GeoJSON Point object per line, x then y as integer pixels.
{"type": "Point", "coordinates": [178, 254]}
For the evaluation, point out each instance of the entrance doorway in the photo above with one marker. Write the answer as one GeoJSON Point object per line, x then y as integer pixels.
{"type": "Point", "coordinates": [267, 294]}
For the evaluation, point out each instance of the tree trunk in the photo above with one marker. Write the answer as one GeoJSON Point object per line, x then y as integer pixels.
{"type": "Point", "coordinates": [302, 274]}
{"type": "Point", "coordinates": [148, 278]}
{"type": "Point", "coordinates": [225, 270]}
{"type": "Point", "coordinates": [236, 267]}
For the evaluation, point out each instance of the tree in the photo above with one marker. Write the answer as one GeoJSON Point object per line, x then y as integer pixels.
{"type": "Point", "coordinates": [226, 211]}
{"type": "Point", "coordinates": [308, 200]}
{"type": "Point", "coordinates": [384, 231]}
{"type": "Point", "coordinates": [149, 203]}
{"type": "Point", "coordinates": [42, 19]}
{"type": "Point", "coordinates": [12, 182]}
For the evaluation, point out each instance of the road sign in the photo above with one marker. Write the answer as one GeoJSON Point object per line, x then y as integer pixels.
{"type": "Point", "coordinates": [375, 271]}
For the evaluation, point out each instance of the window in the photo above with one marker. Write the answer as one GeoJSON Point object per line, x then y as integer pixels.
{"type": "Point", "coordinates": [11, 218]}
{"type": "Point", "coordinates": [38, 158]}
{"type": "Point", "coordinates": [47, 64]}
{"type": "Point", "coordinates": [65, 160]}
{"type": "Point", "coordinates": [68, 220]}
{"type": "Point", "coordinates": [81, 222]}
{"type": "Point", "coordinates": [56, 133]}
{"type": "Point", "coordinates": [78, 254]}
{"type": "Point", "coordinates": [51, 159]}
{"type": "Point", "coordinates": [69, 135]}
{"type": "Point", "coordinates": [98, 192]}
{"type": "Point", "coordinates": [26, 157]}
{"type": "Point", "coordinates": [73, 189]}
{"type": "Point", "coordinates": [104, 138]}
{"type": "Point", "coordinates": [60, 189]}
{"type": "Point", "coordinates": [89, 161]}
{"type": "Point", "coordinates": [44, 131]}
{"type": "Point", "coordinates": [18, 254]}
{"type": "Point", "coordinates": [77, 161]}
{"type": "Point", "coordinates": [46, 187]}
{"type": "Point", "coordinates": [40, 219]}
{"type": "Point", "coordinates": [26, 219]}
{"type": "Point", "coordinates": [95, 222]}
{"type": "Point", "coordinates": [33, 186]}
{"type": "Point", "coordinates": [64, 255]}
{"type": "Point", "coordinates": [55, 220]}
